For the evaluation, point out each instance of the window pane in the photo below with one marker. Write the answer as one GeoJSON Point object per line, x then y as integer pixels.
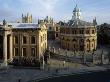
{"type": "Point", "coordinates": [24, 40]}
{"type": "Point", "coordinates": [33, 52]}
{"type": "Point", "coordinates": [32, 40]}
{"type": "Point", "coordinates": [24, 51]}
{"type": "Point", "coordinates": [16, 39]}
{"type": "Point", "coordinates": [16, 51]}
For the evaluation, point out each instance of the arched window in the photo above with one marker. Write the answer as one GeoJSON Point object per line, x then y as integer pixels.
{"type": "Point", "coordinates": [93, 31]}
{"type": "Point", "coordinates": [87, 40]}
{"type": "Point", "coordinates": [93, 40]}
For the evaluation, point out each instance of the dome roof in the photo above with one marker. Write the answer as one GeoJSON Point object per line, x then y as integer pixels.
{"type": "Point", "coordinates": [79, 23]}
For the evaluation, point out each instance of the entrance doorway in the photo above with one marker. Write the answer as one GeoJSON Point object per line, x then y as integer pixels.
{"type": "Point", "coordinates": [81, 48]}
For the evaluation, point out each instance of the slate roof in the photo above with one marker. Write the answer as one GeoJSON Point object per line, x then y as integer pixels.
{"type": "Point", "coordinates": [24, 25]}
{"type": "Point", "coordinates": [79, 23]}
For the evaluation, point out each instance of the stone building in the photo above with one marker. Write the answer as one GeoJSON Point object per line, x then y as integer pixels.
{"type": "Point", "coordinates": [53, 28]}
{"type": "Point", "coordinates": [22, 40]}
{"type": "Point", "coordinates": [78, 35]}
{"type": "Point", "coordinates": [26, 18]}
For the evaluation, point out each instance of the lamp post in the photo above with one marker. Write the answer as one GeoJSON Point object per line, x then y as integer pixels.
{"type": "Point", "coordinates": [102, 57]}
{"type": "Point", "coordinates": [43, 63]}
{"type": "Point", "coordinates": [84, 58]}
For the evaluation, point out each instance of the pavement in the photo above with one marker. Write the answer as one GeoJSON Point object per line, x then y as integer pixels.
{"type": "Point", "coordinates": [54, 68]}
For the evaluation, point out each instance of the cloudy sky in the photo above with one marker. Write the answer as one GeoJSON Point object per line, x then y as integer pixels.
{"type": "Point", "coordinates": [58, 9]}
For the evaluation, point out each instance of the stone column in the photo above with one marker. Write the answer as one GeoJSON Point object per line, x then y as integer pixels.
{"type": "Point", "coordinates": [5, 49]}
{"type": "Point", "coordinates": [11, 49]}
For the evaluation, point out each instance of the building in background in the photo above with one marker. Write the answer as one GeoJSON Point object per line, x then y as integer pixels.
{"type": "Point", "coordinates": [53, 28]}
{"type": "Point", "coordinates": [78, 35]}
{"type": "Point", "coordinates": [26, 18]}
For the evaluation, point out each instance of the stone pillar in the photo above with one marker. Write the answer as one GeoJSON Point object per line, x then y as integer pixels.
{"type": "Point", "coordinates": [5, 49]}
{"type": "Point", "coordinates": [11, 49]}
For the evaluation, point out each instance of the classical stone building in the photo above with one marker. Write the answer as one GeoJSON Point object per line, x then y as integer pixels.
{"type": "Point", "coordinates": [26, 18]}
{"type": "Point", "coordinates": [22, 40]}
{"type": "Point", "coordinates": [78, 35]}
{"type": "Point", "coordinates": [53, 28]}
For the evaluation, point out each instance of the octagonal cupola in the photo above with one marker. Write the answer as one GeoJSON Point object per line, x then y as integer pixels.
{"type": "Point", "coordinates": [76, 13]}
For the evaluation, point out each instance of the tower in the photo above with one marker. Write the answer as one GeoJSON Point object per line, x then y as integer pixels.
{"type": "Point", "coordinates": [95, 21]}
{"type": "Point", "coordinates": [26, 18]}
{"type": "Point", "coordinates": [76, 13]}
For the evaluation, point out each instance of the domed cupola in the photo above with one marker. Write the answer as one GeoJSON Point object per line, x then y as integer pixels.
{"type": "Point", "coordinates": [76, 13]}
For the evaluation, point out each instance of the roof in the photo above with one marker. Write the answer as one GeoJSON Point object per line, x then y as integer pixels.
{"type": "Point", "coordinates": [79, 23]}
{"type": "Point", "coordinates": [24, 25]}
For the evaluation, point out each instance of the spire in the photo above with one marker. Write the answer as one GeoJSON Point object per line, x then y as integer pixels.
{"type": "Point", "coordinates": [95, 21]}
{"type": "Point", "coordinates": [22, 14]}
{"type": "Point", "coordinates": [76, 13]}
{"type": "Point", "coordinates": [76, 9]}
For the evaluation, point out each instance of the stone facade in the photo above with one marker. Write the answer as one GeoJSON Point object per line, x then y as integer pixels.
{"type": "Point", "coordinates": [78, 35]}
{"type": "Point", "coordinates": [73, 39]}
{"type": "Point", "coordinates": [53, 28]}
{"type": "Point", "coordinates": [22, 40]}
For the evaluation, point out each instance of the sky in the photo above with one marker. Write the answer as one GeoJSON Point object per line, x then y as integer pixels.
{"type": "Point", "coordinates": [59, 10]}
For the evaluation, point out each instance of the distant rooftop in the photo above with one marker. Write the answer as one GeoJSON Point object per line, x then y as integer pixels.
{"type": "Point", "coordinates": [24, 25]}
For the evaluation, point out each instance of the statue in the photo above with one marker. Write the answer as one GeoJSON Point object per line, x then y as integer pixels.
{"type": "Point", "coordinates": [4, 22]}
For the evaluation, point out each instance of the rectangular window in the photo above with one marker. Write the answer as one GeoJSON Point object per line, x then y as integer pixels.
{"type": "Point", "coordinates": [45, 37]}
{"type": "Point", "coordinates": [74, 46]}
{"type": "Point", "coordinates": [24, 52]}
{"type": "Point", "coordinates": [81, 31]}
{"type": "Point", "coordinates": [92, 31]}
{"type": "Point", "coordinates": [24, 40]}
{"type": "Point", "coordinates": [50, 28]}
{"type": "Point", "coordinates": [87, 45]}
{"type": "Point", "coordinates": [16, 39]}
{"type": "Point", "coordinates": [56, 35]}
{"type": "Point", "coordinates": [87, 31]}
{"type": "Point", "coordinates": [45, 45]}
{"type": "Point", "coordinates": [33, 52]}
{"type": "Point", "coordinates": [16, 52]}
{"type": "Point", "coordinates": [74, 31]}
{"type": "Point", "coordinates": [56, 28]}
{"type": "Point", "coordinates": [33, 40]}
{"type": "Point", "coordinates": [41, 38]}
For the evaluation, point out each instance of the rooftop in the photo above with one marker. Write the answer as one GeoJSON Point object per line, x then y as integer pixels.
{"type": "Point", "coordinates": [24, 25]}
